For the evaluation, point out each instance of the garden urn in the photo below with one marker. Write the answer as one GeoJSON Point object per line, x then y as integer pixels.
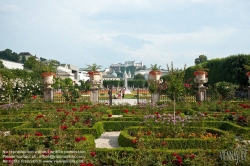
{"type": "Point", "coordinates": [48, 78]}
{"type": "Point", "coordinates": [95, 77]}
{"type": "Point", "coordinates": [200, 77]}
{"type": "Point", "coordinates": [154, 75]}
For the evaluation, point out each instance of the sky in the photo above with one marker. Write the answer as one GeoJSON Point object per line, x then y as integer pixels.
{"type": "Point", "coordinates": [105, 32]}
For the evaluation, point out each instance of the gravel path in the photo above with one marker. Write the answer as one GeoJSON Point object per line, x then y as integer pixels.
{"type": "Point", "coordinates": [108, 140]}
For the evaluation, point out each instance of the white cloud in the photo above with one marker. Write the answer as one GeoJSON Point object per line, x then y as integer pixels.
{"type": "Point", "coordinates": [112, 31]}
{"type": "Point", "coordinates": [9, 8]}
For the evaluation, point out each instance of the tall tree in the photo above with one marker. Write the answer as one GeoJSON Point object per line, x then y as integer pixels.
{"type": "Point", "coordinates": [200, 59]}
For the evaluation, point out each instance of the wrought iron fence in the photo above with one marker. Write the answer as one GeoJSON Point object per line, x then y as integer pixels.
{"type": "Point", "coordinates": [84, 96]}
{"type": "Point", "coordinates": [143, 95]}
{"type": "Point", "coordinates": [103, 96]}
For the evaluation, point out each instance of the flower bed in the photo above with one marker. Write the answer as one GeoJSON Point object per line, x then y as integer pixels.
{"type": "Point", "coordinates": [150, 134]}
{"type": "Point", "coordinates": [154, 138]}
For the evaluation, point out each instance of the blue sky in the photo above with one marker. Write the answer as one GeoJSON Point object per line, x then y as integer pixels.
{"type": "Point", "coordinates": [106, 32]}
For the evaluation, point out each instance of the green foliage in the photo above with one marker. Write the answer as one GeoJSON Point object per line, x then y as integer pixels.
{"type": "Point", "coordinates": [18, 85]}
{"type": "Point", "coordinates": [70, 92]}
{"type": "Point", "coordinates": [39, 67]}
{"type": "Point", "coordinates": [139, 76]}
{"type": "Point", "coordinates": [155, 67]}
{"type": "Point", "coordinates": [137, 83]}
{"type": "Point", "coordinates": [114, 83]}
{"type": "Point", "coordinates": [229, 69]}
{"type": "Point", "coordinates": [84, 85]}
{"type": "Point", "coordinates": [93, 67]}
{"type": "Point", "coordinates": [201, 59]}
{"type": "Point", "coordinates": [1, 64]}
{"type": "Point", "coordinates": [200, 67]}
{"type": "Point", "coordinates": [175, 82]}
{"type": "Point", "coordinates": [226, 89]}
{"type": "Point", "coordinates": [32, 64]}
{"type": "Point", "coordinates": [50, 66]}
{"type": "Point", "coordinates": [158, 87]}
{"type": "Point", "coordinates": [7, 54]}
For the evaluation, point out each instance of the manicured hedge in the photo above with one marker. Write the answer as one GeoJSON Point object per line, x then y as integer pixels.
{"type": "Point", "coordinates": [126, 140]}
{"type": "Point", "coordinates": [96, 130]}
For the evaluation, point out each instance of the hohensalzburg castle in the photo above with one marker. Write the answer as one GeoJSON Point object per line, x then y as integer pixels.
{"type": "Point", "coordinates": [117, 67]}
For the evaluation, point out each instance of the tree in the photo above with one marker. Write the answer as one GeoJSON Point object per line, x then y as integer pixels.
{"type": "Point", "coordinates": [7, 54]}
{"type": "Point", "coordinates": [201, 59]}
{"type": "Point", "coordinates": [175, 82]}
{"type": "Point", "coordinates": [139, 76]}
{"type": "Point", "coordinates": [1, 64]}
{"type": "Point", "coordinates": [94, 67]}
{"type": "Point", "coordinates": [31, 63]}
{"type": "Point", "coordinates": [42, 59]}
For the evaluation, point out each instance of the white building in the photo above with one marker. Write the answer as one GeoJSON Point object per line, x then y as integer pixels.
{"type": "Point", "coordinates": [83, 75]}
{"type": "Point", "coordinates": [12, 65]}
{"type": "Point", "coordinates": [72, 72]}
{"type": "Point", "coordinates": [64, 72]}
{"type": "Point", "coordinates": [27, 55]}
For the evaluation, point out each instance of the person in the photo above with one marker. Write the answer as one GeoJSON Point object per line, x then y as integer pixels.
{"type": "Point", "coordinates": [120, 94]}
{"type": "Point", "coordinates": [123, 92]}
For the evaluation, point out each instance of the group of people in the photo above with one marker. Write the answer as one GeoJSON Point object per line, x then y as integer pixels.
{"type": "Point", "coordinates": [121, 94]}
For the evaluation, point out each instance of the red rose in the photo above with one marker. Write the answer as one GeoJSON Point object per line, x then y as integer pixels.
{"type": "Point", "coordinates": [93, 154]}
{"type": "Point", "coordinates": [78, 139]}
{"type": "Point", "coordinates": [63, 127]}
{"type": "Point", "coordinates": [163, 143]}
{"type": "Point", "coordinates": [233, 113]}
{"type": "Point", "coordinates": [38, 134]}
{"type": "Point", "coordinates": [134, 141]}
{"type": "Point", "coordinates": [174, 154]}
{"type": "Point", "coordinates": [192, 156]}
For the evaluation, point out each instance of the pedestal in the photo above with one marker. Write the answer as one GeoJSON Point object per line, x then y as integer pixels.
{"type": "Point", "coordinates": [48, 94]}
{"type": "Point", "coordinates": [201, 96]}
{"type": "Point", "coordinates": [94, 94]}
{"type": "Point", "coordinates": [155, 97]}
{"type": "Point", "coordinates": [110, 95]}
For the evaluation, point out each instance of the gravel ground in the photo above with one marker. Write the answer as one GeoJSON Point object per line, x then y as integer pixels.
{"type": "Point", "coordinates": [108, 140]}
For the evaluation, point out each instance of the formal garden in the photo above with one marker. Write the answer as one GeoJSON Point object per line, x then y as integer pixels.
{"type": "Point", "coordinates": [213, 129]}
